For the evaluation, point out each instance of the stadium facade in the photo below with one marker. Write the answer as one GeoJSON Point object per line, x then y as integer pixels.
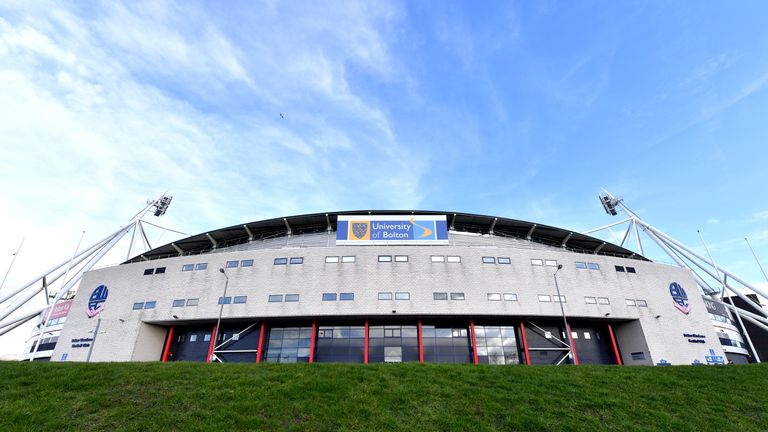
{"type": "Point", "coordinates": [392, 286]}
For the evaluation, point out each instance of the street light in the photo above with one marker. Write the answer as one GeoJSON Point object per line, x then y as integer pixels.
{"type": "Point", "coordinates": [562, 311]}
{"type": "Point", "coordinates": [221, 310]}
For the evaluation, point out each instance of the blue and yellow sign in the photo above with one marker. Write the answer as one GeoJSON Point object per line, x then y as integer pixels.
{"type": "Point", "coordinates": [392, 229]}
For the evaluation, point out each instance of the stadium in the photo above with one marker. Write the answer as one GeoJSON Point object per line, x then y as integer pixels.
{"type": "Point", "coordinates": [391, 286]}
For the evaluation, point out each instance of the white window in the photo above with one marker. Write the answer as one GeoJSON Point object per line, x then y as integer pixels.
{"type": "Point", "coordinates": [385, 258]}
{"type": "Point", "coordinates": [574, 335]}
{"type": "Point", "coordinates": [510, 297]}
{"type": "Point", "coordinates": [489, 260]}
{"type": "Point", "coordinates": [547, 335]}
{"type": "Point", "coordinates": [504, 260]}
{"type": "Point", "coordinates": [331, 259]}
{"type": "Point", "coordinates": [590, 300]}
{"type": "Point", "coordinates": [385, 296]}
{"type": "Point", "coordinates": [551, 263]}
{"type": "Point", "coordinates": [207, 338]}
{"type": "Point", "coordinates": [348, 259]}
{"type": "Point", "coordinates": [630, 302]}
{"type": "Point", "coordinates": [402, 296]}
{"type": "Point", "coordinates": [454, 259]}
{"type": "Point", "coordinates": [603, 300]}
{"type": "Point", "coordinates": [587, 335]}
{"type": "Point", "coordinates": [558, 299]}
{"type": "Point", "coordinates": [642, 303]}
{"type": "Point", "coordinates": [537, 262]}
{"type": "Point", "coordinates": [438, 258]}
{"type": "Point", "coordinates": [494, 297]}
{"type": "Point", "coordinates": [593, 266]}
{"type": "Point", "coordinates": [401, 258]}
{"type": "Point", "coordinates": [545, 298]}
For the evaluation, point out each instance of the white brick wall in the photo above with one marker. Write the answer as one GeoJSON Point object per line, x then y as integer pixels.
{"type": "Point", "coordinates": [120, 341]}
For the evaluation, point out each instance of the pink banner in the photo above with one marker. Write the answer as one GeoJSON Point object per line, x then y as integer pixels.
{"type": "Point", "coordinates": [61, 309]}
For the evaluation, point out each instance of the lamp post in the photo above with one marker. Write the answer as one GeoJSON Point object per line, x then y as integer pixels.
{"type": "Point", "coordinates": [221, 310]}
{"type": "Point", "coordinates": [562, 311]}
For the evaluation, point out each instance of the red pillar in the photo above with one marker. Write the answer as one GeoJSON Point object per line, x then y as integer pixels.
{"type": "Point", "coordinates": [474, 342]}
{"type": "Point", "coordinates": [573, 346]}
{"type": "Point", "coordinates": [525, 344]}
{"type": "Point", "coordinates": [312, 342]}
{"type": "Point", "coordinates": [213, 342]}
{"type": "Point", "coordinates": [365, 351]}
{"type": "Point", "coordinates": [168, 342]}
{"type": "Point", "coordinates": [421, 344]}
{"type": "Point", "coordinates": [261, 343]}
{"type": "Point", "coordinates": [615, 347]}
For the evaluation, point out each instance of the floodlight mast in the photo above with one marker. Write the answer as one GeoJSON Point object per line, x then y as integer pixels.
{"type": "Point", "coordinates": [685, 257]}
{"type": "Point", "coordinates": [17, 298]}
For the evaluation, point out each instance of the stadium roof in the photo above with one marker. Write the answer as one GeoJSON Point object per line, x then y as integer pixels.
{"type": "Point", "coordinates": [319, 222]}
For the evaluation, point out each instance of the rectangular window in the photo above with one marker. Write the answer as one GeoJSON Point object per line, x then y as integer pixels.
{"type": "Point", "coordinates": [281, 261]}
{"type": "Point", "coordinates": [537, 262]}
{"type": "Point", "coordinates": [558, 299]}
{"type": "Point", "coordinates": [348, 259]}
{"type": "Point", "coordinates": [638, 355]}
{"type": "Point", "coordinates": [385, 296]}
{"type": "Point", "coordinates": [187, 267]}
{"type": "Point", "coordinates": [179, 303]}
{"type": "Point", "coordinates": [494, 297]}
{"type": "Point", "coordinates": [201, 266]}
{"type": "Point", "coordinates": [402, 296]}
{"type": "Point", "coordinates": [331, 259]}
{"type": "Point", "coordinates": [510, 297]}
{"type": "Point", "coordinates": [346, 296]}
{"type": "Point", "coordinates": [587, 335]}
{"type": "Point", "coordinates": [193, 338]}
{"type": "Point", "coordinates": [620, 269]}
{"type": "Point", "coordinates": [454, 259]}
{"type": "Point", "coordinates": [593, 266]}
{"type": "Point", "coordinates": [642, 303]}
{"type": "Point", "coordinates": [239, 299]}
{"type": "Point", "coordinates": [275, 298]}
{"type": "Point", "coordinates": [149, 271]}
{"type": "Point", "coordinates": [193, 302]}
{"type": "Point", "coordinates": [160, 270]}
{"type": "Point", "coordinates": [590, 300]}
{"type": "Point", "coordinates": [246, 263]}
{"type": "Point", "coordinates": [631, 270]}
{"type": "Point", "coordinates": [291, 298]}
{"type": "Point", "coordinates": [329, 296]}
{"type": "Point", "coordinates": [232, 264]}
{"type": "Point", "coordinates": [630, 302]}
{"type": "Point", "coordinates": [550, 263]}
{"type": "Point", "coordinates": [150, 304]}
{"type": "Point", "coordinates": [207, 338]}
{"type": "Point", "coordinates": [138, 306]}
{"type": "Point", "coordinates": [437, 258]}
{"type": "Point", "coordinates": [504, 260]}
{"type": "Point", "coordinates": [385, 258]}
{"type": "Point", "coordinates": [545, 298]}
{"type": "Point", "coordinates": [401, 258]}
{"type": "Point", "coordinates": [489, 260]}
{"type": "Point", "coordinates": [457, 296]}
{"type": "Point", "coordinates": [225, 300]}
{"type": "Point", "coordinates": [603, 300]}
{"type": "Point", "coordinates": [440, 296]}
{"type": "Point", "coordinates": [581, 265]}
{"type": "Point", "coordinates": [297, 260]}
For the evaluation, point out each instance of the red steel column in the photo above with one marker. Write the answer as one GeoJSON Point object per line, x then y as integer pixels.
{"type": "Point", "coordinates": [615, 347]}
{"type": "Point", "coordinates": [312, 342]}
{"type": "Point", "coordinates": [421, 344]}
{"type": "Point", "coordinates": [365, 351]}
{"type": "Point", "coordinates": [573, 346]}
{"type": "Point", "coordinates": [525, 344]}
{"type": "Point", "coordinates": [168, 342]}
{"type": "Point", "coordinates": [261, 343]}
{"type": "Point", "coordinates": [210, 347]}
{"type": "Point", "coordinates": [474, 341]}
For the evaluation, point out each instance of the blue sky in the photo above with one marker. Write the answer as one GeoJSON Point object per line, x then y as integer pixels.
{"type": "Point", "coordinates": [518, 109]}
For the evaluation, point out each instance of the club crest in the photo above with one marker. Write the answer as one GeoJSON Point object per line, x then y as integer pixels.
{"type": "Point", "coordinates": [96, 301]}
{"type": "Point", "coordinates": [360, 230]}
{"type": "Point", "coordinates": [680, 297]}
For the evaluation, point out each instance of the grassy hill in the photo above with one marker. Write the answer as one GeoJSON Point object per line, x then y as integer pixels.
{"type": "Point", "coordinates": [408, 397]}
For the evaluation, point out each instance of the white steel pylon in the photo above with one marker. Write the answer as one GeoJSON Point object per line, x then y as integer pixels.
{"type": "Point", "coordinates": [12, 300]}
{"type": "Point", "coordinates": [686, 257]}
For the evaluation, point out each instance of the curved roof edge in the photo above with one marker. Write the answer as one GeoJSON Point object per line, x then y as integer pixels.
{"type": "Point", "coordinates": [318, 222]}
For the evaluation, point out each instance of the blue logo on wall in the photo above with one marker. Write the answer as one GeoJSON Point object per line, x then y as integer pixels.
{"type": "Point", "coordinates": [680, 297]}
{"type": "Point", "coordinates": [96, 301]}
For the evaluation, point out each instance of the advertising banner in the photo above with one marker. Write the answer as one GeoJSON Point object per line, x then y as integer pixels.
{"type": "Point", "coordinates": [392, 229]}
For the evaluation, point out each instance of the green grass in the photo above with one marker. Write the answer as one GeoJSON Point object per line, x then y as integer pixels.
{"type": "Point", "coordinates": [408, 397]}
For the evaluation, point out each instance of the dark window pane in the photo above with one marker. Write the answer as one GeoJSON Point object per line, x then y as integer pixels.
{"type": "Point", "coordinates": [149, 271]}
{"type": "Point", "coordinates": [160, 270]}
{"type": "Point", "coordinates": [232, 264]}
{"type": "Point", "coordinates": [297, 260]}
{"type": "Point", "coordinates": [346, 296]}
